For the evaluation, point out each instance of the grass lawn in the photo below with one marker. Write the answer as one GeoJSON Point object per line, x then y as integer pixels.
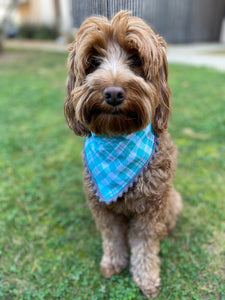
{"type": "Point", "coordinates": [49, 246]}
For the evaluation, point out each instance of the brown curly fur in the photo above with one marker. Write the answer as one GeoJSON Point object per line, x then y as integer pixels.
{"type": "Point", "coordinates": [148, 211]}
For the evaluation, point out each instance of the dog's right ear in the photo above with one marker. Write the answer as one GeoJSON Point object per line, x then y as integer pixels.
{"type": "Point", "coordinates": [69, 111]}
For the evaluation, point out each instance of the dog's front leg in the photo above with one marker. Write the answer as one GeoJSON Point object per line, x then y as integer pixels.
{"type": "Point", "coordinates": [144, 237]}
{"type": "Point", "coordinates": [113, 229]}
{"type": "Point", "coordinates": [114, 244]}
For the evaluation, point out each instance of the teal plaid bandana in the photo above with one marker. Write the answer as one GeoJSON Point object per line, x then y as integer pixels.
{"type": "Point", "coordinates": [114, 164]}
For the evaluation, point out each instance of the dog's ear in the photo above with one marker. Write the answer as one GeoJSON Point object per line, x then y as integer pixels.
{"type": "Point", "coordinates": [69, 111]}
{"type": "Point", "coordinates": [151, 49]}
{"type": "Point", "coordinates": [162, 111]}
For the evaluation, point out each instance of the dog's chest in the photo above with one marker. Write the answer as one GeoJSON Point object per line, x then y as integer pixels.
{"type": "Point", "coordinates": [139, 198]}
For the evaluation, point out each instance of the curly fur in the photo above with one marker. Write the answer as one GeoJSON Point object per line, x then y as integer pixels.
{"type": "Point", "coordinates": [102, 56]}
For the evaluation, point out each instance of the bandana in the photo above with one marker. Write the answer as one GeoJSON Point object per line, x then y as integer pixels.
{"type": "Point", "coordinates": [114, 164]}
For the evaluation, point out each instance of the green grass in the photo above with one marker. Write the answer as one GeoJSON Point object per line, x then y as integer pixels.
{"type": "Point", "coordinates": [49, 246]}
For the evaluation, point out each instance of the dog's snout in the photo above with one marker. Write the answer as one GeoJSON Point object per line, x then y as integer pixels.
{"type": "Point", "coordinates": [114, 95]}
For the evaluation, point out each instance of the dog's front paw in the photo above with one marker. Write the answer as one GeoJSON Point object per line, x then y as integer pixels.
{"type": "Point", "coordinates": [149, 287]}
{"type": "Point", "coordinates": [107, 269]}
{"type": "Point", "coordinates": [110, 267]}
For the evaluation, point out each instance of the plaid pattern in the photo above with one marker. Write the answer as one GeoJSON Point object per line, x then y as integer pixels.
{"type": "Point", "coordinates": [113, 163]}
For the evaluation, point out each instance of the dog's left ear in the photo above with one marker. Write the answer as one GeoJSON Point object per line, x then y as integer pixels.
{"type": "Point", "coordinates": [162, 111]}
{"type": "Point", "coordinates": [69, 111]}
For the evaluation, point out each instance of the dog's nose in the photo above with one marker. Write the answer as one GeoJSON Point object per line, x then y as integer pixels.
{"type": "Point", "coordinates": [114, 95]}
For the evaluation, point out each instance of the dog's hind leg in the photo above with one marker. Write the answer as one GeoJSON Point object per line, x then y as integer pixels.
{"type": "Point", "coordinates": [174, 206]}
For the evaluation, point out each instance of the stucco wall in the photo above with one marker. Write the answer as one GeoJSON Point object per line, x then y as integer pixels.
{"type": "Point", "coordinates": [43, 12]}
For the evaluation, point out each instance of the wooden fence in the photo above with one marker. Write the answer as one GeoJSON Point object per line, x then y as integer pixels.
{"type": "Point", "coordinates": [178, 21]}
{"type": "Point", "coordinates": [84, 8]}
{"type": "Point", "coordinates": [181, 21]}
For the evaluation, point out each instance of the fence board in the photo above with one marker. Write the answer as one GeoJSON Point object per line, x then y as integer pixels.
{"type": "Point", "coordinates": [84, 8]}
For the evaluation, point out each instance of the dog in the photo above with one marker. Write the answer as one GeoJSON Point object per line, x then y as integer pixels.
{"type": "Point", "coordinates": [119, 98]}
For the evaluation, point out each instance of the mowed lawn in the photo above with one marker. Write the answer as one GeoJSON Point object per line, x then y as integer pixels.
{"type": "Point", "coordinates": [49, 246]}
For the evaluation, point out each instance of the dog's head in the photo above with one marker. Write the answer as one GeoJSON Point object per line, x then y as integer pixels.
{"type": "Point", "coordinates": [117, 77]}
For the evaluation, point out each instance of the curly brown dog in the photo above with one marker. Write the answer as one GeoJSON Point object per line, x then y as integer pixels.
{"type": "Point", "coordinates": [117, 86]}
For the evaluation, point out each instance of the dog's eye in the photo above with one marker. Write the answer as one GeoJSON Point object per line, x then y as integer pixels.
{"type": "Point", "coordinates": [135, 61]}
{"type": "Point", "coordinates": [92, 63]}
{"type": "Point", "coordinates": [95, 62]}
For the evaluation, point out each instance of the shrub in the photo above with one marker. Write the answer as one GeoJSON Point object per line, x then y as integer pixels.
{"type": "Point", "coordinates": [32, 31]}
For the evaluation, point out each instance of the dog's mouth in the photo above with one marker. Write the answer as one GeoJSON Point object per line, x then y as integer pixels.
{"type": "Point", "coordinates": [115, 111]}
